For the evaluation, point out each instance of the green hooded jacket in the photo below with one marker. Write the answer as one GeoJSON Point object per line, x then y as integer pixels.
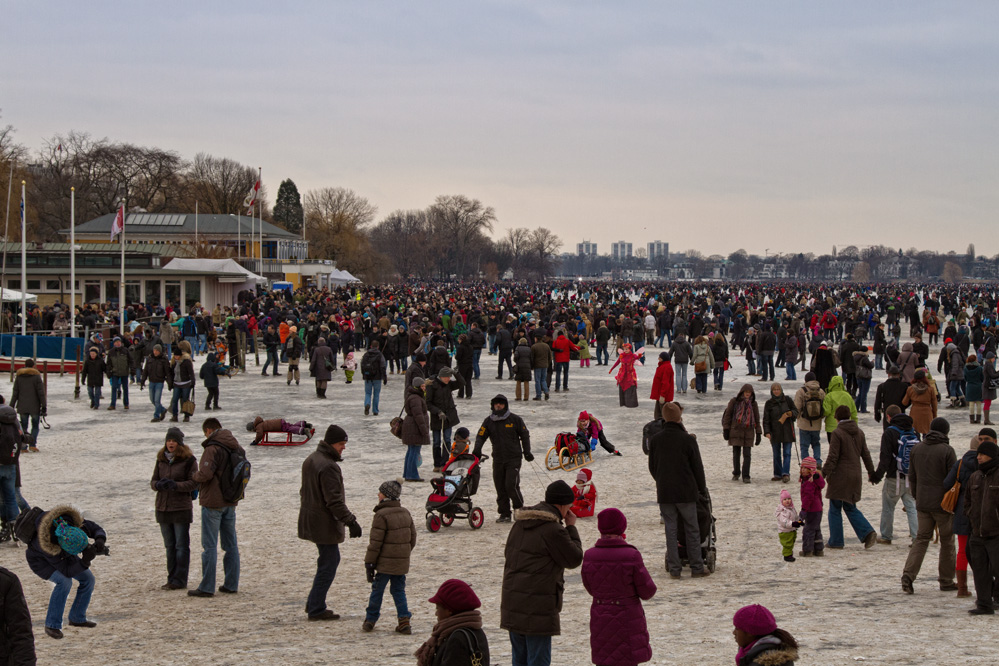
{"type": "Point", "coordinates": [836, 395]}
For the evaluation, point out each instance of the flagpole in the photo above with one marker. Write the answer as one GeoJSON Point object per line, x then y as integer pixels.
{"type": "Point", "coordinates": [24, 264]}
{"type": "Point", "coordinates": [260, 220]}
{"type": "Point", "coordinates": [239, 235]}
{"type": "Point", "coordinates": [121, 281]}
{"type": "Point", "coordinates": [196, 228]}
{"type": "Point", "coordinates": [72, 262]}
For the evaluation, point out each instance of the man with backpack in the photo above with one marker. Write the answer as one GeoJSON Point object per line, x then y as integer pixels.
{"type": "Point", "coordinates": [808, 400]}
{"type": "Point", "coordinates": [929, 463]}
{"type": "Point", "coordinates": [373, 371]}
{"type": "Point", "coordinates": [222, 474]}
{"type": "Point", "coordinates": [897, 443]}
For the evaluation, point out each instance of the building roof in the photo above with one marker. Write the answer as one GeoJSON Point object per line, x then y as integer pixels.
{"type": "Point", "coordinates": [165, 250]}
{"type": "Point", "coordinates": [182, 224]}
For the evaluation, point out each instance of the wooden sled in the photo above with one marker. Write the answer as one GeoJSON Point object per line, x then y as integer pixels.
{"type": "Point", "coordinates": [286, 438]}
{"type": "Point", "coordinates": [560, 458]}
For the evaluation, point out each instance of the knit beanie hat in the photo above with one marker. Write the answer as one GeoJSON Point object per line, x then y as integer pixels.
{"type": "Point", "coordinates": [810, 463]}
{"type": "Point", "coordinates": [987, 432]}
{"type": "Point", "coordinates": [176, 434]}
{"type": "Point", "coordinates": [672, 413]}
{"type": "Point", "coordinates": [810, 377]}
{"type": "Point", "coordinates": [755, 620]}
{"type": "Point", "coordinates": [559, 492]}
{"type": "Point", "coordinates": [461, 433]}
{"type": "Point", "coordinates": [611, 521]}
{"type": "Point", "coordinates": [784, 494]}
{"type": "Point", "coordinates": [335, 434]}
{"type": "Point", "coordinates": [941, 425]}
{"type": "Point", "coordinates": [584, 475]}
{"type": "Point", "coordinates": [71, 539]}
{"type": "Point", "coordinates": [418, 382]}
{"type": "Point", "coordinates": [456, 595]}
{"type": "Point", "coordinates": [391, 489]}
{"type": "Point", "coordinates": [991, 449]}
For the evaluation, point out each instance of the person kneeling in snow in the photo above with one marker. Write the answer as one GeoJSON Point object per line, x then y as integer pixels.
{"type": "Point", "coordinates": [262, 427]}
{"type": "Point", "coordinates": [591, 430]}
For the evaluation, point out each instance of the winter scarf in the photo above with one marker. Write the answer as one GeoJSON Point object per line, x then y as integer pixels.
{"type": "Point", "coordinates": [744, 413]}
{"type": "Point", "coordinates": [442, 630]}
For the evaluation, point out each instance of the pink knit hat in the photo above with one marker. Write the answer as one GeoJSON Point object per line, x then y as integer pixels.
{"type": "Point", "coordinates": [784, 495]}
{"type": "Point", "coordinates": [810, 463]}
{"type": "Point", "coordinates": [755, 620]}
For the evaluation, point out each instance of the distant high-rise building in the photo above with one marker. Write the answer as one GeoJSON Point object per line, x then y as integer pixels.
{"type": "Point", "coordinates": [586, 248]}
{"type": "Point", "coordinates": [620, 251]}
{"type": "Point", "coordinates": [658, 250]}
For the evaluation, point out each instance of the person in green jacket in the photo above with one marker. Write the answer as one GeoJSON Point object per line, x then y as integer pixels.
{"type": "Point", "coordinates": [836, 395]}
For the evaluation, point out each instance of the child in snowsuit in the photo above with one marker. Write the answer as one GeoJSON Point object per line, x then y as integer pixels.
{"type": "Point", "coordinates": [812, 484]}
{"type": "Point", "coordinates": [392, 539]}
{"type": "Point", "coordinates": [787, 525]}
{"type": "Point", "coordinates": [584, 492]}
{"type": "Point", "coordinates": [261, 427]}
{"type": "Point", "coordinates": [210, 372]}
{"type": "Point", "coordinates": [591, 432]}
{"type": "Point", "coordinates": [349, 366]}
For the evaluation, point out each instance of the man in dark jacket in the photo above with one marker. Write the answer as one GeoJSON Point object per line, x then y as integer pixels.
{"type": "Point", "coordinates": [271, 342]}
{"type": "Point", "coordinates": [982, 508]}
{"type": "Point", "coordinates": [511, 441]}
{"type": "Point", "coordinates": [929, 464]}
{"type": "Point", "coordinates": [443, 412]}
{"type": "Point", "coordinates": [374, 372]}
{"type": "Point", "coordinates": [417, 369]}
{"type": "Point", "coordinates": [504, 343]}
{"type": "Point", "coordinates": [60, 552]}
{"type": "Point", "coordinates": [28, 397]}
{"type": "Point", "coordinates": [895, 489]}
{"type": "Point", "coordinates": [890, 393]}
{"type": "Point", "coordinates": [119, 370]}
{"type": "Point", "coordinates": [538, 551]}
{"type": "Point", "coordinates": [17, 642]}
{"type": "Point", "coordinates": [323, 516]}
{"type": "Point", "coordinates": [541, 360]}
{"type": "Point", "coordinates": [675, 464]}
{"type": "Point", "coordinates": [478, 340]}
{"type": "Point", "coordinates": [157, 372]}
{"type": "Point", "coordinates": [218, 516]}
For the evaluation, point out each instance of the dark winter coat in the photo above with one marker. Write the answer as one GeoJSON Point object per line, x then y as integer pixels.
{"type": "Point", "coordinates": [317, 364]}
{"type": "Point", "coordinates": [157, 370]}
{"type": "Point", "coordinates": [392, 539]}
{"type": "Point", "coordinates": [990, 373]}
{"type": "Point", "coordinates": [929, 464]}
{"type": "Point", "coordinates": [847, 447]}
{"type": "Point", "coordinates": [981, 506]}
{"type": "Point", "coordinates": [889, 393]}
{"type": "Point", "coordinates": [863, 364]}
{"type": "Point", "coordinates": [769, 651]}
{"type": "Point", "coordinates": [737, 433]}
{"type": "Point", "coordinates": [294, 347]}
{"type": "Point", "coordinates": [887, 465]}
{"type": "Point", "coordinates": [416, 425]}
{"type": "Point", "coordinates": [437, 358]}
{"type": "Point", "coordinates": [509, 435]}
{"type": "Point", "coordinates": [541, 355]}
{"type": "Point", "coordinates": [175, 506]}
{"type": "Point", "coordinates": [968, 465]}
{"type": "Point", "coordinates": [675, 463]}
{"type": "Point", "coordinates": [323, 513]}
{"type": "Point", "coordinates": [974, 376]}
{"type": "Point", "coordinates": [440, 402]}
{"type": "Point", "coordinates": [772, 411]}
{"type": "Point", "coordinates": [464, 359]}
{"type": "Point", "coordinates": [824, 364]}
{"type": "Point", "coordinates": [217, 447]}
{"type": "Point", "coordinates": [614, 574]}
{"type": "Point", "coordinates": [93, 371]}
{"type": "Point", "coordinates": [907, 362]}
{"type": "Point", "coordinates": [17, 643]}
{"type": "Point", "coordinates": [522, 363]}
{"type": "Point", "coordinates": [119, 363]}
{"type": "Point", "coordinates": [210, 372]}
{"type": "Point", "coordinates": [28, 394]}
{"type": "Point", "coordinates": [44, 554]}
{"type": "Point", "coordinates": [412, 372]}
{"type": "Point", "coordinates": [538, 550]}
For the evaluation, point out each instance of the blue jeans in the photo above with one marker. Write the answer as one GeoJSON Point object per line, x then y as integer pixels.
{"type": "Point", "coordinates": [562, 370]}
{"type": "Point", "coordinates": [201, 343]}
{"type": "Point", "coordinates": [540, 381]}
{"type": "Point", "coordinates": [954, 388]}
{"type": "Point", "coordinates": [602, 353]}
{"type": "Point", "coordinates": [863, 386]}
{"type": "Point", "coordinates": [272, 361]}
{"type": "Point", "coordinates": [660, 338]}
{"type": "Point", "coordinates": [60, 593]}
{"type": "Point", "coordinates": [439, 454]}
{"type": "Point", "coordinates": [216, 524]}
{"type": "Point", "coordinates": [397, 587]}
{"type": "Point", "coordinates": [476, 354]}
{"type": "Point", "coordinates": [860, 525]}
{"type": "Point", "coordinates": [372, 389]}
{"type": "Point", "coordinates": [409, 467]}
{"type": "Point", "coordinates": [813, 439]}
{"type": "Point", "coordinates": [326, 565]}
{"type": "Point", "coordinates": [891, 493]}
{"type": "Point", "coordinates": [177, 541]}
{"type": "Point", "coordinates": [34, 425]}
{"type": "Point", "coordinates": [879, 361]}
{"type": "Point", "coordinates": [180, 394]}
{"type": "Point", "coordinates": [719, 375]}
{"type": "Point", "coordinates": [791, 374]}
{"type": "Point", "coordinates": [119, 383]}
{"type": "Point", "coordinates": [136, 376]}
{"type": "Point", "coordinates": [701, 382]}
{"type": "Point", "coordinates": [767, 365]}
{"type": "Point", "coordinates": [680, 373]}
{"type": "Point", "coordinates": [750, 365]}
{"type": "Point", "coordinates": [94, 393]}
{"type": "Point", "coordinates": [155, 395]}
{"type": "Point", "coordinates": [531, 650]}
{"type": "Point", "coordinates": [8, 492]}
{"type": "Point", "coordinates": [782, 463]}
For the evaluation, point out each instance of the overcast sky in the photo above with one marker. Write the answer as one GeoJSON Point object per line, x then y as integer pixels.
{"type": "Point", "coordinates": [788, 126]}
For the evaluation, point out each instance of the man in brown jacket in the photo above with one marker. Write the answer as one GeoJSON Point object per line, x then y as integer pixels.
{"type": "Point", "coordinates": [929, 464]}
{"type": "Point", "coordinates": [538, 550]}
{"type": "Point", "coordinates": [323, 516]}
{"type": "Point", "coordinates": [218, 517]}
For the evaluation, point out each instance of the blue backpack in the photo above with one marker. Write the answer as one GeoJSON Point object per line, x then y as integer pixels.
{"type": "Point", "coordinates": [907, 440]}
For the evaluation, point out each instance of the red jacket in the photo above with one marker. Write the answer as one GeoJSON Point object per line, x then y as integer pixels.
{"type": "Point", "coordinates": [562, 347]}
{"type": "Point", "coordinates": [585, 504]}
{"type": "Point", "coordinates": [663, 382]}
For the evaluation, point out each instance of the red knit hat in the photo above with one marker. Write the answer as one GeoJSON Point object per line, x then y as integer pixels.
{"type": "Point", "coordinates": [456, 595]}
{"type": "Point", "coordinates": [584, 475]}
{"type": "Point", "coordinates": [755, 620]}
{"type": "Point", "coordinates": [583, 416]}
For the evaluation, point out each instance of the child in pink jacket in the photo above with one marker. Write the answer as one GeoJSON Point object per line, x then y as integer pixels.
{"type": "Point", "coordinates": [812, 484]}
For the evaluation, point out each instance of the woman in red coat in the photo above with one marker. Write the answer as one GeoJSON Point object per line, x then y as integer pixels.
{"type": "Point", "coordinates": [662, 385]}
{"type": "Point", "coordinates": [615, 576]}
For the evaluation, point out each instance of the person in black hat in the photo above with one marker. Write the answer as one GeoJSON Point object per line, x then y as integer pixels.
{"type": "Point", "coordinates": [982, 508]}
{"type": "Point", "coordinates": [889, 393]}
{"type": "Point", "coordinates": [511, 441]}
{"type": "Point", "coordinates": [538, 550]}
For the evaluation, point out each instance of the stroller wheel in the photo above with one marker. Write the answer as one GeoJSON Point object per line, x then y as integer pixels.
{"type": "Point", "coordinates": [476, 518]}
{"type": "Point", "coordinates": [433, 523]}
{"type": "Point", "coordinates": [447, 519]}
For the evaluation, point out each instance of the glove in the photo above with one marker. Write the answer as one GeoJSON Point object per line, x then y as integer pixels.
{"type": "Point", "coordinates": [45, 412]}
{"type": "Point", "coordinates": [100, 544]}
{"type": "Point", "coordinates": [369, 570]}
{"type": "Point", "coordinates": [169, 484]}
{"type": "Point", "coordinates": [88, 555]}
{"type": "Point", "coordinates": [725, 433]}
{"type": "Point", "coordinates": [529, 457]}
{"type": "Point", "coordinates": [795, 524]}
{"type": "Point", "coordinates": [759, 438]}
{"type": "Point", "coordinates": [161, 484]}
{"type": "Point", "coordinates": [354, 529]}
{"type": "Point", "coordinates": [385, 383]}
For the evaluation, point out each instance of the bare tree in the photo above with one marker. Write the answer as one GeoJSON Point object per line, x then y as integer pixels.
{"type": "Point", "coordinates": [861, 272]}
{"type": "Point", "coordinates": [406, 238]}
{"type": "Point", "coordinates": [335, 220]}
{"type": "Point", "coordinates": [952, 273]}
{"type": "Point", "coordinates": [544, 245]}
{"type": "Point", "coordinates": [459, 220]}
{"type": "Point", "coordinates": [219, 185]}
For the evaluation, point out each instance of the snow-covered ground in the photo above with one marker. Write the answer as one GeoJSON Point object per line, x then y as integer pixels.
{"type": "Point", "coordinates": [843, 608]}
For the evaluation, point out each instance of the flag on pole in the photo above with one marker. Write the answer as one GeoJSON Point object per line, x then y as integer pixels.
{"type": "Point", "coordinates": [251, 198]}
{"type": "Point", "coordinates": [118, 225]}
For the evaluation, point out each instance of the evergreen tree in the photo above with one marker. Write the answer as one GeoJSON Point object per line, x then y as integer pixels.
{"type": "Point", "coordinates": [288, 207]}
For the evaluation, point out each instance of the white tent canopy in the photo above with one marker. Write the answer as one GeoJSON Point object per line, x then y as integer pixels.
{"type": "Point", "coordinates": [14, 296]}
{"type": "Point", "coordinates": [339, 278]}
{"type": "Point", "coordinates": [227, 270]}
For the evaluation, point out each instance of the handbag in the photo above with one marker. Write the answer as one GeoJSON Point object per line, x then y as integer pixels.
{"type": "Point", "coordinates": [395, 425]}
{"type": "Point", "coordinates": [700, 367]}
{"type": "Point", "coordinates": [187, 406]}
{"type": "Point", "coordinates": [949, 501]}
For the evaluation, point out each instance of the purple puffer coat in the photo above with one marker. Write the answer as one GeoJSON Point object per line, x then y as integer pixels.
{"type": "Point", "coordinates": [615, 576]}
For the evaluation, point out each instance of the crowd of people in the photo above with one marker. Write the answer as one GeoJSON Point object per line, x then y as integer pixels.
{"type": "Point", "coordinates": [435, 335]}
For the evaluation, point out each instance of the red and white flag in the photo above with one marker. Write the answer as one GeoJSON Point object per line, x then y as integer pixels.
{"type": "Point", "coordinates": [251, 198]}
{"type": "Point", "coordinates": [118, 226]}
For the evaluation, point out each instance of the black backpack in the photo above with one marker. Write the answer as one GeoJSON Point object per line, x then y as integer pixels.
{"type": "Point", "coordinates": [26, 524]}
{"type": "Point", "coordinates": [234, 474]}
{"type": "Point", "coordinates": [10, 439]}
{"type": "Point", "coordinates": [651, 429]}
{"type": "Point", "coordinates": [370, 368]}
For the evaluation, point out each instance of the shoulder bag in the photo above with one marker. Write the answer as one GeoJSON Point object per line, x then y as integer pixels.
{"type": "Point", "coordinates": [395, 425]}
{"type": "Point", "coordinates": [949, 501]}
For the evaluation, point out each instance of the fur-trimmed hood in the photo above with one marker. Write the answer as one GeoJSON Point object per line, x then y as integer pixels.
{"type": "Point", "coordinates": [46, 531]}
{"type": "Point", "coordinates": [785, 655]}
{"type": "Point", "coordinates": [544, 513]}
{"type": "Point", "coordinates": [28, 371]}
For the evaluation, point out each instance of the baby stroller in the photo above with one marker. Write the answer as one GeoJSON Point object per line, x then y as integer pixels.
{"type": "Point", "coordinates": [569, 453]}
{"type": "Point", "coordinates": [706, 526]}
{"type": "Point", "coordinates": [452, 494]}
